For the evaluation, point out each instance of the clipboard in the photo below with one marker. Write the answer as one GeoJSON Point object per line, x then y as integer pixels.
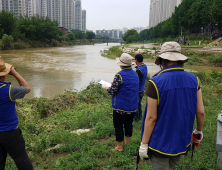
{"type": "Point", "coordinates": [102, 82]}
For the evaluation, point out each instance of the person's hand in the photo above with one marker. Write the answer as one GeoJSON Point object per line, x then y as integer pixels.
{"type": "Point", "coordinates": [143, 151]}
{"type": "Point", "coordinates": [197, 136]}
{"type": "Point", "coordinates": [12, 71]}
{"type": "Point", "coordinates": [104, 86]}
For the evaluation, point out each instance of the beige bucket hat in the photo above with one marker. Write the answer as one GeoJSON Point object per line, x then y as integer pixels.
{"type": "Point", "coordinates": [4, 67]}
{"type": "Point", "coordinates": [124, 60]}
{"type": "Point", "coordinates": [171, 51]}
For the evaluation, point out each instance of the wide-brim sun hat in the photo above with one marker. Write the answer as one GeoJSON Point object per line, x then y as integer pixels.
{"type": "Point", "coordinates": [171, 51]}
{"type": "Point", "coordinates": [4, 67]}
{"type": "Point", "coordinates": [124, 60]}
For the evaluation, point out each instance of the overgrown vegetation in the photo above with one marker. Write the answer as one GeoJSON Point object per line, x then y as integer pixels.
{"type": "Point", "coordinates": [203, 58]}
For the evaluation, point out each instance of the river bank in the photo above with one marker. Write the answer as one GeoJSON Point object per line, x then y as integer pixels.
{"type": "Point", "coordinates": [196, 57]}
{"type": "Point", "coordinates": [26, 44]}
{"type": "Point", "coordinates": [49, 127]}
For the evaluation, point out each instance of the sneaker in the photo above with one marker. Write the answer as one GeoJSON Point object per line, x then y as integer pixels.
{"type": "Point", "coordinates": [219, 117]}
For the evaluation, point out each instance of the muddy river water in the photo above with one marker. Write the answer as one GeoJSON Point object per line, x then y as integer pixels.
{"type": "Point", "coordinates": [50, 71]}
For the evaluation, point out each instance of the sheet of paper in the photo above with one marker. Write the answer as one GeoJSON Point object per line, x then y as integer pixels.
{"type": "Point", "coordinates": [104, 82]}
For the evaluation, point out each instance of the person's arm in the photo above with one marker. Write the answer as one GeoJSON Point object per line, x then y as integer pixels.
{"type": "Point", "coordinates": [20, 80]}
{"type": "Point", "coordinates": [200, 114]}
{"type": "Point", "coordinates": [115, 86]}
{"type": "Point", "coordinates": [150, 121]}
{"type": "Point", "coordinates": [140, 75]}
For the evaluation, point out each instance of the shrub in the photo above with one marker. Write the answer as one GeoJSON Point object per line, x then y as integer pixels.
{"type": "Point", "coordinates": [20, 45]}
{"type": "Point", "coordinates": [7, 42]}
{"type": "Point", "coordinates": [55, 43]}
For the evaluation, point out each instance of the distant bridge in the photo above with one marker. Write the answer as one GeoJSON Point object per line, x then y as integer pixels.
{"type": "Point", "coordinates": [94, 41]}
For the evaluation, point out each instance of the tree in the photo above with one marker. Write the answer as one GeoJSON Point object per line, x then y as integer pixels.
{"type": "Point", "coordinates": [217, 12]}
{"type": "Point", "coordinates": [90, 35]}
{"type": "Point", "coordinates": [130, 36]}
{"type": "Point", "coordinates": [7, 22]}
{"type": "Point", "coordinates": [79, 34]}
{"type": "Point", "coordinates": [39, 28]}
{"type": "Point", "coordinates": [143, 35]}
{"type": "Point", "coordinates": [199, 15]}
{"type": "Point", "coordinates": [71, 36]}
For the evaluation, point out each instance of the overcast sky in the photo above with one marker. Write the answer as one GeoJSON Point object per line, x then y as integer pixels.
{"type": "Point", "coordinates": [116, 14]}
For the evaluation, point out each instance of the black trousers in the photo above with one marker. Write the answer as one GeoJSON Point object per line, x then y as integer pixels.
{"type": "Point", "coordinates": [13, 143]}
{"type": "Point", "coordinates": [120, 122]}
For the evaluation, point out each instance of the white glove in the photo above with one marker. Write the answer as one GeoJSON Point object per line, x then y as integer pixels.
{"type": "Point", "coordinates": [143, 152]}
{"type": "Point", "coordinates": [200, 137]}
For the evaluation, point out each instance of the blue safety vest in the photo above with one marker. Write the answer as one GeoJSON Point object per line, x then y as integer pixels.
{"type": "Point", "coordinates": [143, 68]}
{"type": "Point", "coordinates": [126, 98]}
{"type": "Point", "coordinates": [8, 116]}
{"type": "Point", "coordinates": [177, 104]}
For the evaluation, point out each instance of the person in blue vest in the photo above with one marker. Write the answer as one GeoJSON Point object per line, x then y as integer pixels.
{"type": "Point", "coordinates": [141, 70]}
{"type": "Point", "coordinates": [11, 139]}
{"type": "Point", "coordinates": [124, 91]}
{"type": "Point", "coordinates": [174, 100]}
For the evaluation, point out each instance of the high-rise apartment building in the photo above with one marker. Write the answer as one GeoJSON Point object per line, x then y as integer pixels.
{"type": "Point", "coordinates": [114, 33]}
{"type": "Point", "coordinates": [41, 7]}
{"type": "Point", "coordinates": [84, 20]}
{"type": "Point", "coordinates": [0, 5]}
{"type": "Point", "coordinates": [54, 11]}
{"type": "Point", "coordinates": [161, 10]}
{"type": "Point", "coordinates": [18, 7]}
{"type": "Point", "coordinates": [78, 15]}
{"type": "Point", "coordinates": [68, 14]}
{"type": "Point", "coordinates": [29, 6]}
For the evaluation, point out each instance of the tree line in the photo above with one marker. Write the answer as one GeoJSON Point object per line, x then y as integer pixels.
{"type": "Point", "coordinates": [34, 28]}
{"type": "Point", "coordinates": [191, 16]}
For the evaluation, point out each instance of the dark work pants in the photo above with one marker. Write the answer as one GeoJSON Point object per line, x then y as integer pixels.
{"type": "Point", "coordinates": [138, 114]}
{"type": "Point", "coordinates": [13, 143]}
{"type": "Point", "coordinates": [120, 122]}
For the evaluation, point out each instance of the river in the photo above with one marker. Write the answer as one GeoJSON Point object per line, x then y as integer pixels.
{"type": "Point", "coordinates": [50, 71]}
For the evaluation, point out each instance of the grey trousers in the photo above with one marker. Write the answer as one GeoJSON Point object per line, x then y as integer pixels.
{"type": "Point", "coordinates": [164, 163]}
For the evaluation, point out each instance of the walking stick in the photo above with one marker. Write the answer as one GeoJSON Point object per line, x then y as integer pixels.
{"type": "Point", "coordinates": [197, 136]}
{"type": "Point", "coordinates": [137, 161]}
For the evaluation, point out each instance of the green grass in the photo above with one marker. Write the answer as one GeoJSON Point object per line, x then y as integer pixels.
{"type": "Point", "coordinates": [203, 58]}
{"type": "Point", "coordinates": [47, 123]}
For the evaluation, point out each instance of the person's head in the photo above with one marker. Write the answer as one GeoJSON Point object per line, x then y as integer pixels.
{"type": "Point", "coordinates": [170, 54]}
{"type": "Point", "coordinates": [138, 59]}
{"type": "Point", "coordinates": [4, 69]}
{"type": "Point", "coordinates": [125, 60]}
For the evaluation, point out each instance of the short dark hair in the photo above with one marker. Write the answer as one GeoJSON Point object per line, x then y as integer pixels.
{"type": "Point", "coordinates": [165, 61]}
{"type": "Point", "coordinates": [139, 57]}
